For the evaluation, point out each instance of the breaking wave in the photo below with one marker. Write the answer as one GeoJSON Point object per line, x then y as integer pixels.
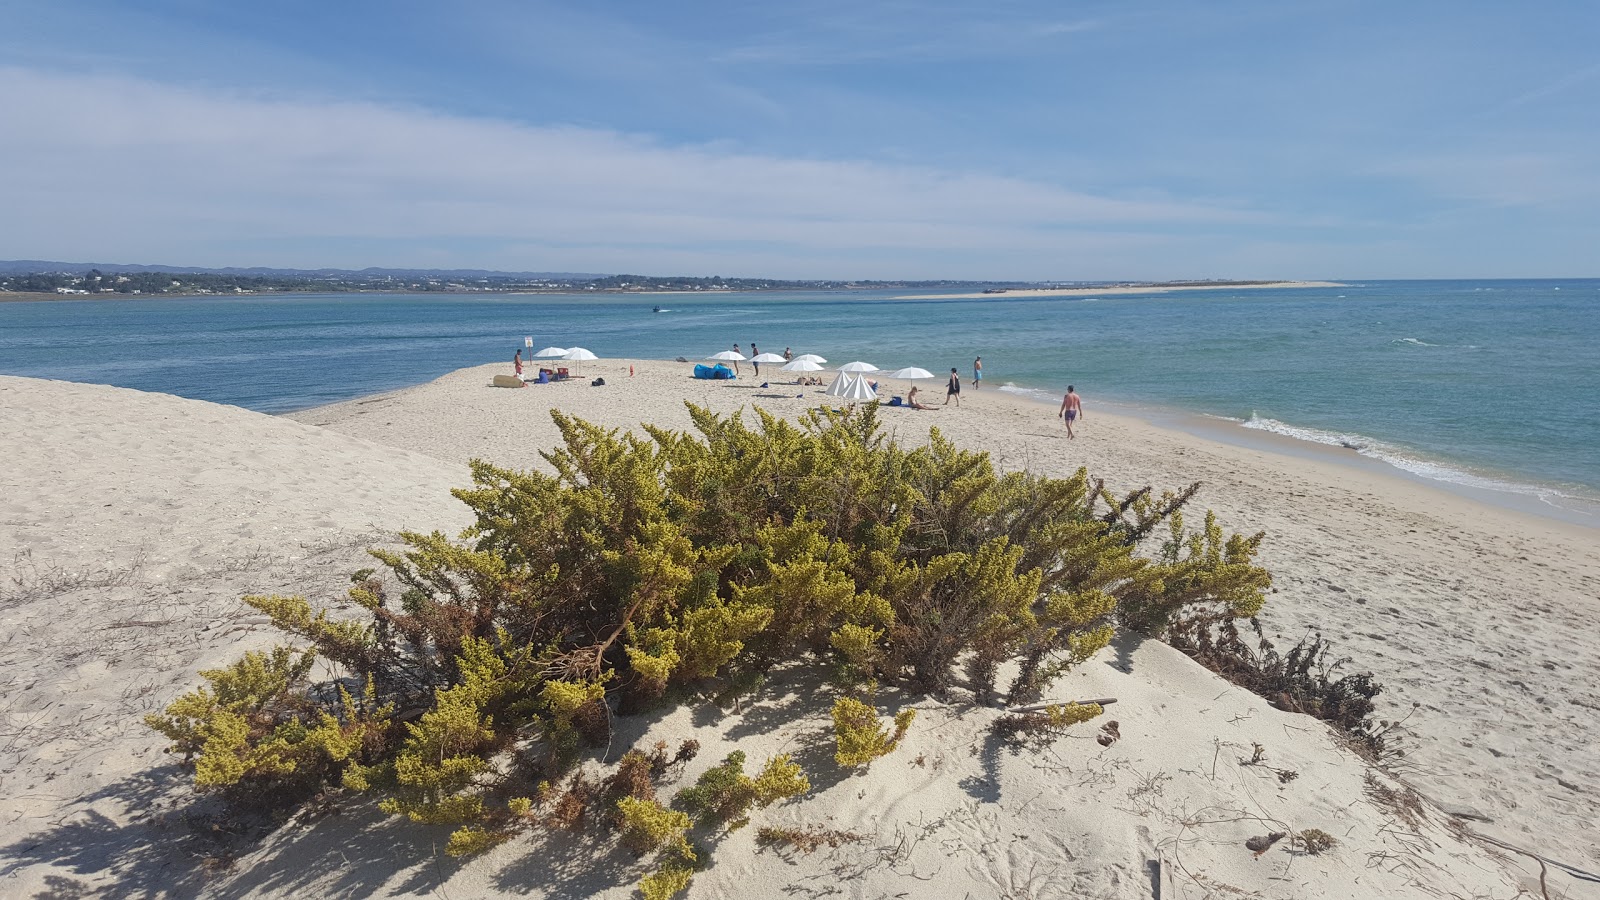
{"type": "Point", "coordinates": [1404, 460]}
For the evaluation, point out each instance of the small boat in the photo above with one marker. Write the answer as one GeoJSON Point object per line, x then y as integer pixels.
{"type": "Point", "coordinates": [659, 309]}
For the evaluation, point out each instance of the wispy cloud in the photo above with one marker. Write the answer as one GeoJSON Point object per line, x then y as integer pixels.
{"type": "Point", "coordinates": [906, 34]}
{"type": "Point", "coordinates": [115, 166]}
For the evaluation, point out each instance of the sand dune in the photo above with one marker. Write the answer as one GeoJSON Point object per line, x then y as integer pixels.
{"type": "Point", "coordinates": [137, 520]}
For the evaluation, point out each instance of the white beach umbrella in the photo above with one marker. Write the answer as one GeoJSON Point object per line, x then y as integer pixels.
{"type": "Point", "coordinates": [767, 358]}
{"type": "Point", "coordinates": [728, 356]}
{"type": "Point", "coordinates": [839, 386]}
{"type": "Point", "coordinates": [911, 373]}
{"type": "Point", "coordinates": [810, 357]}
{"type": "Point", "coordinates": [578, 354]}
{"type": "Point", "coordinates": [859, 389]}
{"type": "Point", "coordinates": [802, 365]}
{"type": "Point", "coordinates": [858, 366]}
{"type": "Point", "coordinates": [550, 353]}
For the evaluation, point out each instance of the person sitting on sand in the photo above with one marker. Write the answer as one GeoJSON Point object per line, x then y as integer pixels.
{"type": "Point", "coordinates": [914, 403]}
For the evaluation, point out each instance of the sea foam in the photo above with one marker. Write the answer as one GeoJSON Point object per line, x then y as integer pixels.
{"type": "Point", "coordinates": [1405, 460]}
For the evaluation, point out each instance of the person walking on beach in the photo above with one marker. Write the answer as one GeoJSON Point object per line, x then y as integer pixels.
{"type": "Point", "coordinates": [977, 373]}
{"type": "Point", "coordinates": [787, 354]}
{"type": "Point", "coordinates": [953, 389]}
{"type": "Point", "coordinates": [1071, 408]}
{"type": "Point", "coordinates": [517, 362]}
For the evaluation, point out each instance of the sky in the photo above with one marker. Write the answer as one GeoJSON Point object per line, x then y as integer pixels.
{"type": "Point", "coordinates": [1005, 139]}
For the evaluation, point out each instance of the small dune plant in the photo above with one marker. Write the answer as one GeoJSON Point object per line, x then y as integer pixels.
{"type": "Point", "coordinates": [477, 676]}
{"type": "Point", "coordinates": [724, 794]}
{"type": "Point", "coordinates": [859, 737]}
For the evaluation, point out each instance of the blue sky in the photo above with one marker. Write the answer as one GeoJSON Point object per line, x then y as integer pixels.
{"type": "Point", "coordinates": [1005, 140]}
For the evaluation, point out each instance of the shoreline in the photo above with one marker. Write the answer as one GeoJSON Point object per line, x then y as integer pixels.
{"type": "Point", "coordinates": [1526, 498]}
{"type": "Point", "coordinates": [1123, 289]}
{"type": "Point", "coordinates": [1519, 496]}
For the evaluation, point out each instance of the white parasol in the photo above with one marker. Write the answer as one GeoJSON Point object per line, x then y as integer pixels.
{"type": "Point", "coordinates": [839, 386]}
{"type": "Point", "coordinates": [810, 357]}
{"type": "Point", "coordinates": [802, 365]}
{"type": "Point", "coordinates": [578, 354]}
{"type": "Point", "coordinates": [550, 353]}
{"type": "Point", "coordinates": [858, 366]}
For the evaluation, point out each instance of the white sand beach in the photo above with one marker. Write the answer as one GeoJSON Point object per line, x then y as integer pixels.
{"type": "Point", "coordinates": [133, 523]}
{"type": "Point", "coordinates": [1114, 290]}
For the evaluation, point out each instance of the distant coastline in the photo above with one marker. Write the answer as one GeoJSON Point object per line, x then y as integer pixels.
{"type": "Point", "coordinates": [1123, 288]}
{"type": "Point", "coordinates": [1109, 289]}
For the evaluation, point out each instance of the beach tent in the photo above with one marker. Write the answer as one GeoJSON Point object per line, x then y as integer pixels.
{"type": "Point", "coordinates": [858, 366]}
{"type": "Point", "coordinates": [840, 385]}
{"type": "Point", "coordinates": [859, 389]}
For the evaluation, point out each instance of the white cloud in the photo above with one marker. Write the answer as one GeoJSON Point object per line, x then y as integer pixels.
{"type": "Point", "coordinates": [114, 167]}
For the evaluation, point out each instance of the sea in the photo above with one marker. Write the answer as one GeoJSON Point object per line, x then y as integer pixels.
{"type": "Point", "coordinates": [1489, 388]}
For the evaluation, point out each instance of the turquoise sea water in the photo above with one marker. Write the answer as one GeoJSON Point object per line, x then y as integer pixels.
{"type": "Point", "coordinates": [1493, 384]}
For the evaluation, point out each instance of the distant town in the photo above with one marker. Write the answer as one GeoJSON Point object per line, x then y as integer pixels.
{"type": "Point", "coordinates": [36, 280]}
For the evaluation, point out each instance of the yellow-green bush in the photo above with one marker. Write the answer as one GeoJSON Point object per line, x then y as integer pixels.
{"type": "Point", "coordinates": [647, 826]}
{"type": "Point", "coordinates": [644, 569]}
{"type": "Point", "coordinates": [859, 737]}
{"type": "Point", "coordinates": [724, 794]}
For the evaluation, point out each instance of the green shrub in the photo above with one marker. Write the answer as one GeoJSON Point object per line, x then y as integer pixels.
{"type": "Point", "coordinates": [724, 794]}
{"type": "Point", "coordinates": [647, 826]}
{"type": "Point", "coordinates": [669, 881]}
{"type": "Point", "coordinates": [859, 737]}
{"type": "Point", "coordinates": [648, 569]}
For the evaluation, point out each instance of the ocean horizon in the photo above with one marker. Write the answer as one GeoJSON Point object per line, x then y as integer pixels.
{"type": "Point", "coordinates": [1483, 387]}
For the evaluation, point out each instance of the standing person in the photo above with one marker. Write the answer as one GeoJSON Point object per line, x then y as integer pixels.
{"type": "Point", "coordinates": [735, 361]}
{"type": "Point", "coordinates": [1071, 408]}
{"type": "Point", "coordinates": [517, 362]}
{"type": "Point", "coordinates": [977, 373]}
{"type": "Point", "coordinates": [753, 354]}
{"type": "Point", "coordinates": [953, 389]}
{"type": "Point", "coordinates": [787, 354]}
